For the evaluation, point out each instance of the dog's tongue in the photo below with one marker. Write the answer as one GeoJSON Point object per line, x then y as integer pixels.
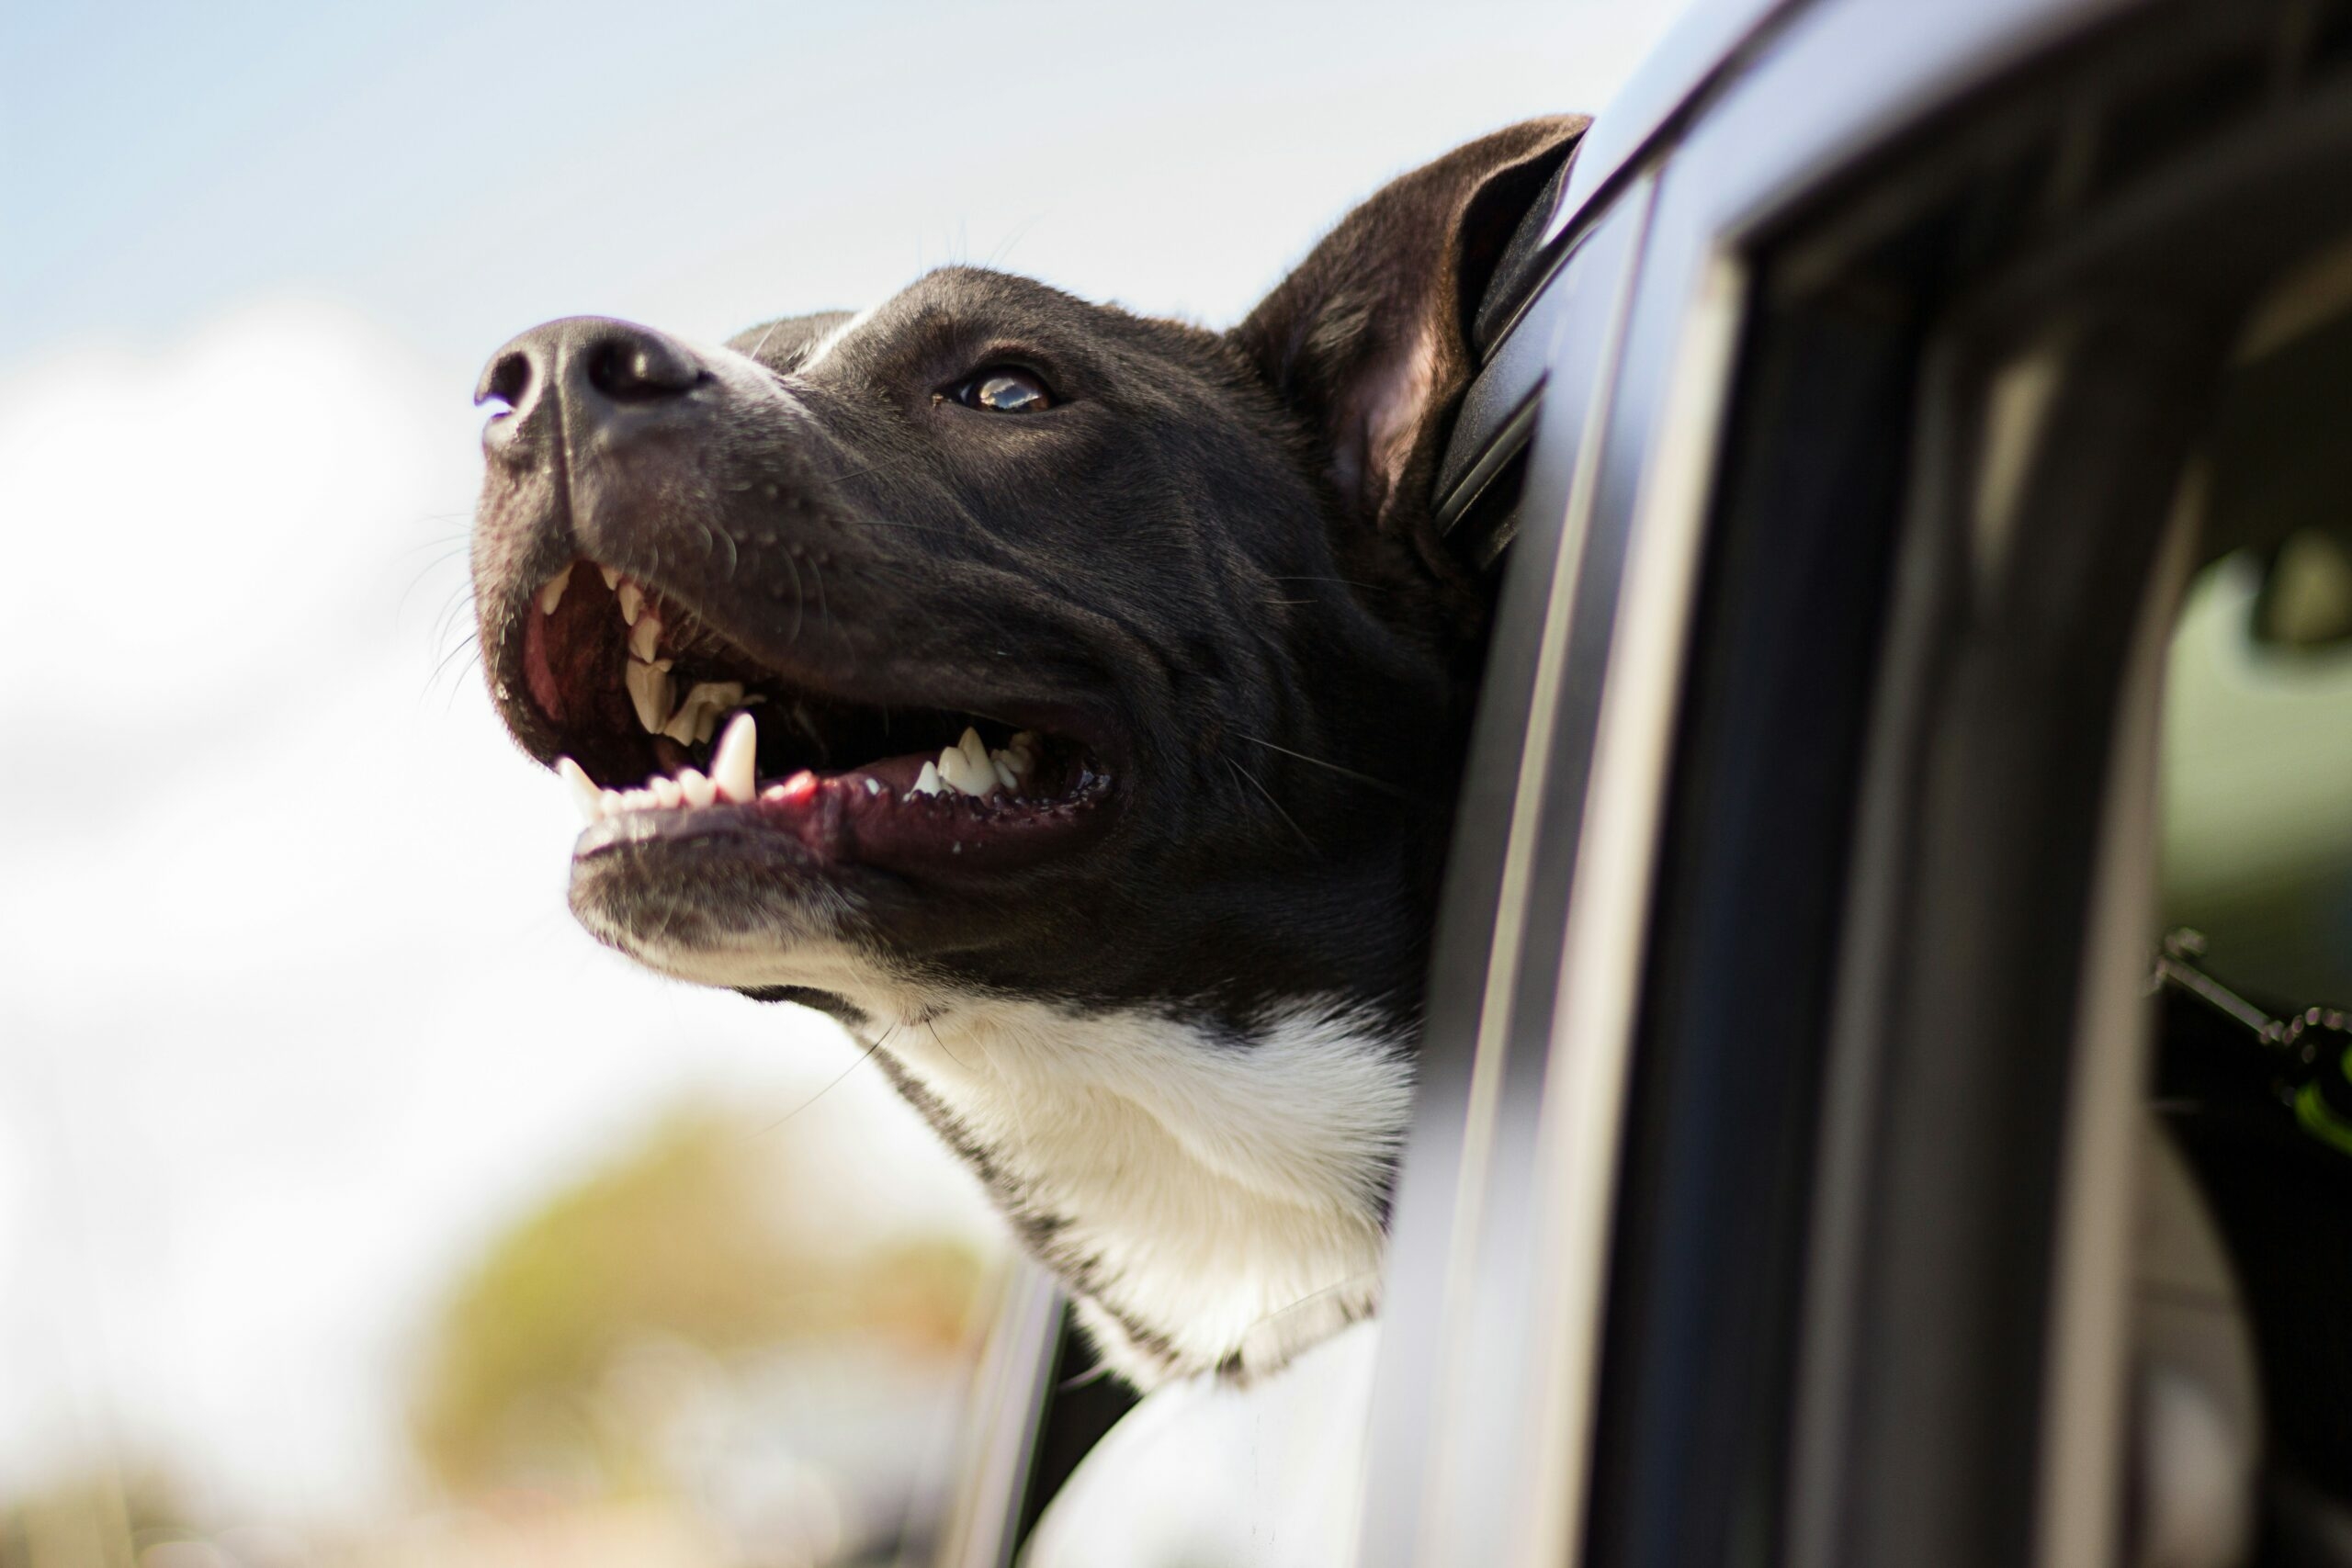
{"type": "Point", "coordinates": [898, 774]}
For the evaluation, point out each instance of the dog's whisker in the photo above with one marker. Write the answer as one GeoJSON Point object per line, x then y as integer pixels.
{"type": "Point", "coordinates": [1350, 1284]}
{"type": "Point", "coordinates": [932, 1025]}
{"type": "Point", "coordinates": [1255, 782]}
{"type": "Point", "coordinates": [1348, 582]}
{"type": "Point", "coordinates": [862, 1057]}
{"type": "Point", "coordinates": [416, 581]}
{"type": "Point", "coordinates": [824, 606]}
{"type": "Point", "coordinates": [1365, 779]}
{"type": "Point", "coordinates": [459, 602]}
{"type": "Point", "coordinates": [800, 596]}
{"type": "Point", "coordinates": [469, 643]}
{"type": "Point", "coordinates": [910, 527]}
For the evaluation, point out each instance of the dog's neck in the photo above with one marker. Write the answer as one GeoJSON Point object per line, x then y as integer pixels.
{"type": "Point", "coordinates": [1213, 1199]}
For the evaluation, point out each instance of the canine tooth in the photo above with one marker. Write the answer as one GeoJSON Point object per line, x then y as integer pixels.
{"type": "Point", "coordinates": [956, 768]}
{"type": "Point", "coordinates": [698, 790]}
{"type": "Point", "coordinates": [645, 637]}
{"type": "Point", "coordinates": [632, 599]}
{"type": "Point", "coordinates": [585, 793]}
{"type": "Point", "coordinates": [652, 692]}
{"type": "Point", "coordinates": [612, 574]}
{"type": "Point", "coordinates": [926, 782]}
{"type": "Point", "coordinates": [734, 766]}
{"type": "Point", "coordinates": [551, 591]}
{"type": "Point", "coordinates": [667, 792]}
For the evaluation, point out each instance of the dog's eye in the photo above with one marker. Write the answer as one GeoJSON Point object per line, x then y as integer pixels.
{"type": "Point", "coordinates": [1006, 390]}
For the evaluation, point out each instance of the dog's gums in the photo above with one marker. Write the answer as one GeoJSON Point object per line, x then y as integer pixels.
{"type": "Point", "coordinates": [980, 803]}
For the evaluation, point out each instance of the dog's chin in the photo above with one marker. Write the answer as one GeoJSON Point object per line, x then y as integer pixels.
{"type": "Point", "coordinates": [723, 907]}
{"type": "Point", "coordinates": [730, 896]}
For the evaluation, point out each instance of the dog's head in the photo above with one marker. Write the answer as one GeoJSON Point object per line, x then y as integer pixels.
{"type": "Point", "coordinates": [995, 640]}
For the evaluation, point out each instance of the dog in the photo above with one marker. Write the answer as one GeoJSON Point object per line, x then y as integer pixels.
{"type": "Point", "coordinates": [1068, 701]}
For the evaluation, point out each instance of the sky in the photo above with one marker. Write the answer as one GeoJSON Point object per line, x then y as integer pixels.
{"type": "Point", "coordinates": [291, 1017]}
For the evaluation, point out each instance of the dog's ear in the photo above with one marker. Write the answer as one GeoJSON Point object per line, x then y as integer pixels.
{"type": "Point", "coordinates": [1368, 341]}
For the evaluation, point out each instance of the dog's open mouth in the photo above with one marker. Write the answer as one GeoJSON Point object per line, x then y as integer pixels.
{"type": "Point", "coordinates": [668, 729]}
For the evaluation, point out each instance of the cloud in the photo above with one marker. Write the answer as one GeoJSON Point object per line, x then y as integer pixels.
{"type": "Point", "coordinates": [293, 1017]}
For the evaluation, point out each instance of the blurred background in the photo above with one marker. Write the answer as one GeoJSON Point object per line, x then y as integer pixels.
{"type": "Point", "coordinates": [354, 1208]}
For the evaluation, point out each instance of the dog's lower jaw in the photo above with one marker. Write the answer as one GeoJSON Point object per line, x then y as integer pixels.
{"type": "Point", "coordinates": [1212, 1201]}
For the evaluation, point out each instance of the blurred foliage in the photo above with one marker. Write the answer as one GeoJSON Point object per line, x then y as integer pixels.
{"type": "Point", "coordinates": [98, 1519]}
{"type": "Point", "coordinates": [712, 1236]}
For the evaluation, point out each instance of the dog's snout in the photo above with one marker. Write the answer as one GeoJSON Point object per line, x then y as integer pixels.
{"type": "Point", "coordinates": [586, 370]}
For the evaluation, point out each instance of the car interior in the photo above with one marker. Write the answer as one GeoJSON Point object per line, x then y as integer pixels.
{"type": "Point", "coordinates": [2244, 1381]}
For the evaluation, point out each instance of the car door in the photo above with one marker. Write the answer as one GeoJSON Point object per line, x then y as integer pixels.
{"type": "Point", "coordinates": [1787, 1215]}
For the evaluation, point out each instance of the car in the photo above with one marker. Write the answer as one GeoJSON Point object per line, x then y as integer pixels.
{"type": "Point", "coordinates": [1816, 1161]}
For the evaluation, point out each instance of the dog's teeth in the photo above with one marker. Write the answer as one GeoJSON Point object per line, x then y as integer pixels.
{"type": "Point", "coordinates": [965, 764]}
{"type": "Point", "coordinates": [585, 793]}
{"type": "Point", "coordinates": [1002, 763]}
{"type": "Point", "coordinates": [645, 635]}
{"type": "Point", "coordinates": [612, 575]}
{"type": "Point", "coordinates": [668, 792]}
{"type": "Point", "coordinates": [926, 782]}
{"type": "Point", "coordinates": [652, 693]}
{"type": "Point", "coordinates": [551, 593]}
{"type": "Point", "coordinates": [697, 715]}
{"type": "Point", "coordinates": [632, 600]}
{"type": "Point", "coordinates": [698, 790]}
{"type": "Point", "coordinates": [976, 752]}
{"type": "Point", "coordinates": [874, 786]}
{"type": "Point", "coordinates": [734, 766]}
{"type": "Point", "coordinates": [956, 772]}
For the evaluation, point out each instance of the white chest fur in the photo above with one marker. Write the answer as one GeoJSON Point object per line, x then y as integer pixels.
{"type": "Point", "coordinates": [1214, 1201]}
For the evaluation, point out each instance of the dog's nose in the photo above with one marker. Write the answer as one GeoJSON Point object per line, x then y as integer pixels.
{"type": "Point", "coordinates": [588, 369]}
